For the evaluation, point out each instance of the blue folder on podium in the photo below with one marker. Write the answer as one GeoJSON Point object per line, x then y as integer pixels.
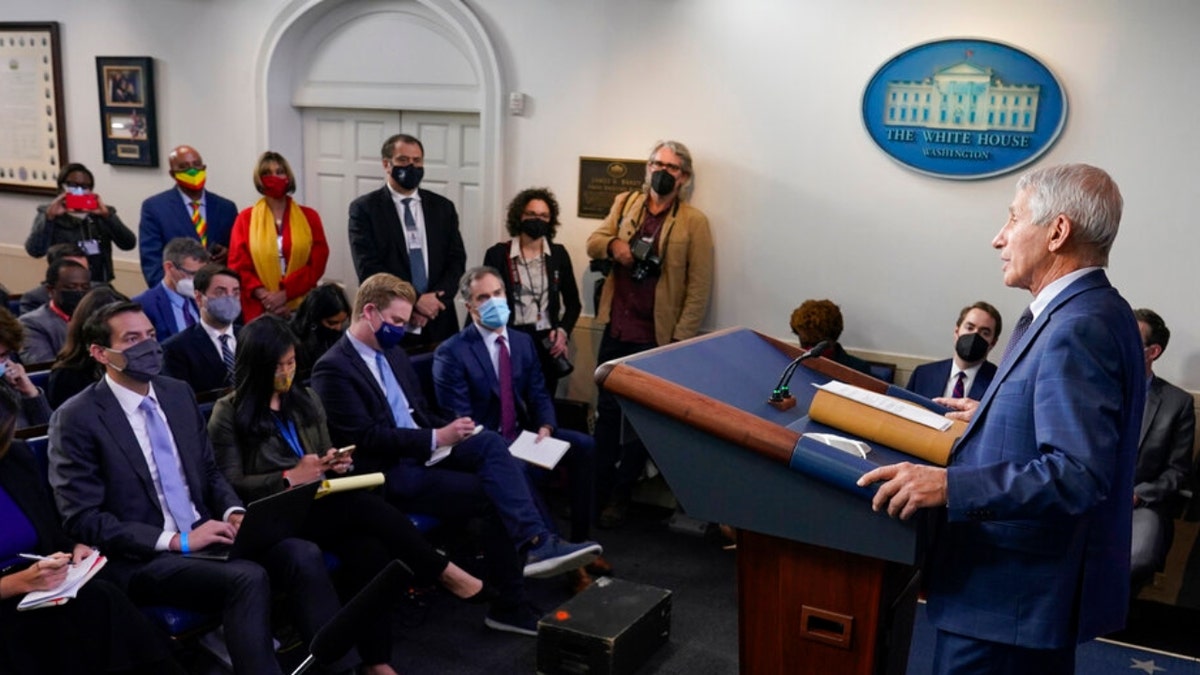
{"type": "Point", "coordinates": [700, 406]}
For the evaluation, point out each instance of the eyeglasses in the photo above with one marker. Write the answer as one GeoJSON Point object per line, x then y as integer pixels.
{"type": "Point", "coordinates": [407, 161]}
{"type": "Point", "coordinates": [657, 166]}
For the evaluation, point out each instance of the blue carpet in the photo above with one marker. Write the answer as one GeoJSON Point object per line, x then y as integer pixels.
{"type": "Point", "coordinates": [1097, 657]}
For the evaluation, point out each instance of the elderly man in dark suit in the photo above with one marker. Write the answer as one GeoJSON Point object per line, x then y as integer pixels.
{"type": "Point", "coordinates": [412, 234]}
{"type": "Point", "coordinates": [494, 376]}
{"type": "Point", "coordinates": [186, 210]}
{"type": "Point", "coordinates": [1164, 457]}
{"type": "Point", "coordinates": [373, 399]}
{"type": "Point", "coordinates": [133, 473]}
{"type": "Point", "coordinates": [968, 373]}
{"type": "Point", "coordinates": [203, 355]}
{"type": "Point", "coordinates": [1032, 555]}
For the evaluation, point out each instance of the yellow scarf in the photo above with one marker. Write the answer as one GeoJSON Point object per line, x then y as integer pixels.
{"type": "Point", "coordinates": [264, 244]}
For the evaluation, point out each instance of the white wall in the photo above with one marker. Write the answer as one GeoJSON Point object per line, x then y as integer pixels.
{"type": "Point", "coordinates": [767, 95]}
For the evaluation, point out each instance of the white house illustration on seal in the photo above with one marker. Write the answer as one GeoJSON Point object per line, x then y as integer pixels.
{"type": "Point", "coordinates": [962, 96]}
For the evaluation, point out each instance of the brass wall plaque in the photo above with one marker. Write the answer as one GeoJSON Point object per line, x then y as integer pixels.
{"type": "Point", "coordinates": [601, 179]}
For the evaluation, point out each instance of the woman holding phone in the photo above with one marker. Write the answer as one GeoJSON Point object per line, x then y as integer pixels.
{"type": "Point", "coordinates": [269, 435]}
{"type": "Point", "coordinates": [79, 216]}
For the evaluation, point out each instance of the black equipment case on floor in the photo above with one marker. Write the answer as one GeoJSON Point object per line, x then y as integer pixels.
{"type": "Point", "coordinates": [611, 628]}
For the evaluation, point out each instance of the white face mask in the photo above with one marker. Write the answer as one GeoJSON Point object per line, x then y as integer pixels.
{"type": "Point", "coordinates": [185, 287]}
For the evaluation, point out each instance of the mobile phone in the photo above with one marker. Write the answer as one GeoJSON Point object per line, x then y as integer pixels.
{"type": "Point", "coordinates": [342, 452]}
{"type": "Point", "coordinates": [81, 202]}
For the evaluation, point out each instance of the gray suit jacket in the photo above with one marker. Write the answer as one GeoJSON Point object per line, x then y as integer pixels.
{"type": "Point", "coordinates": [45, 334]}
{"type": "Point", "coordinates": [1165, 451]}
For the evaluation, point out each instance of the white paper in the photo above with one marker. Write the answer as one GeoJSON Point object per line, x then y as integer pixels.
{"type": "Point", "coordinates": [545, 453]}
{"type": "Point", "coordinates": [902, 409]}
{"type": "Point", "coordinates": [77, 576]}
{"type": "Point", "coordinates": [847, 445]}
{"type": "Point", "coordinates": [443, 451]}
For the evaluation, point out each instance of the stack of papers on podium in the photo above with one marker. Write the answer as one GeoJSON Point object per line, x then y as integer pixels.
{"type": "Point", "coordinates": [77, 576]}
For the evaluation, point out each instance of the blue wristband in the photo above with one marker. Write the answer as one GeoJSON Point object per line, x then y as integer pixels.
{"type": "Point", "coordinates": [183, 545]}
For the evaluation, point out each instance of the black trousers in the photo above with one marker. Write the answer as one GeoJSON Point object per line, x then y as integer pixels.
{"type": "Point", "coordinates": [366, 533]}
{"type": "Point", "coordinates": [241, 591]}
{"type": "Point", "coordinates": [613, 483]}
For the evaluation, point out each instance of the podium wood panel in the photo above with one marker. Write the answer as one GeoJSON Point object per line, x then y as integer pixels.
{"type": "Point", "coordinates": [810, 609]}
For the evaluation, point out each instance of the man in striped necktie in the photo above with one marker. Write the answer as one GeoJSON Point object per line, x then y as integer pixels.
{"type": "Point", "coordinates": [203, 355]}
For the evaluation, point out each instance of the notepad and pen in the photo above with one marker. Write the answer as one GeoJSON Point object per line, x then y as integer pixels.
{"type": "Point", "coordinates": [545, 453]}
{"type": "Point", "coordinates": [78, 574]}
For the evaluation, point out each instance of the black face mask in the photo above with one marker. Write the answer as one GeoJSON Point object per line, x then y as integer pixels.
{"type": "Point", "coordinates": [536, 228]}
{"type": "Point", "coordinates": [408, 177]}
{"type": "Point", "coordinates": [327, 335]}
{"type": "Point", "coordinates": [67, 301]}
{"type": "Point", "coordinates": [662, 182]}
{"type": "Point", "coordinates": [971, 347]}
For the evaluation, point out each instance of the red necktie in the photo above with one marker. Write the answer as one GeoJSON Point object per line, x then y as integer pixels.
{"type": "Point", "coordinates": [958, 385]}
{"type": "Point", "coordinates": [508, 407]}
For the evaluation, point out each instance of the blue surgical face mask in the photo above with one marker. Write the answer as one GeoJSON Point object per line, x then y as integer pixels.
{"type": "Point", "coordinates": [493, 313]}
{"type": "Point", "coordinates": [388, 335]}
{"type": "Point", "coordinates": [3, 367]}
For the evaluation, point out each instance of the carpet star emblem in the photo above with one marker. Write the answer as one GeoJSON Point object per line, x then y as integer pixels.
{"type": "Point", "coordinates": [1146, 666]}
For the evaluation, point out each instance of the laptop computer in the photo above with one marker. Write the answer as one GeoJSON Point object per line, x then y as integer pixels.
{"type": "Point", "coordinates": [267, 522]}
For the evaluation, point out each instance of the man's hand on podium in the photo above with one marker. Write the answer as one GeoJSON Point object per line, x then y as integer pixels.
{"type": "Point", "coordinates": [906, 488]}
{"type": "Point", "coordinates": [962, 409]}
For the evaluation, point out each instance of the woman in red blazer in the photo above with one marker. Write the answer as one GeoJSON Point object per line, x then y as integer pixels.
{"type": "Point", "coordinates": [277, 247]}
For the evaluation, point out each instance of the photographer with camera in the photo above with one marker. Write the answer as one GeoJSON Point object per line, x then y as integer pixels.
{"type": "Point", "coordinates": [79, 216]}
{"type": "Point", "coordinates": [657, 292]}
{"type": "Point", "coordinates": [539, 280]}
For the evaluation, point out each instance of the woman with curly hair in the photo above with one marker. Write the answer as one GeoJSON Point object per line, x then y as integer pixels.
{"type": "Point", "coordinates": [539, 281]}
{"type": "Point", "coordinates": [816, 321]}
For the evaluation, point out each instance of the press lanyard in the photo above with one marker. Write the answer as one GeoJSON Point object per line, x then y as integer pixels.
{"type": "Point", "coordinates": [288, 431]}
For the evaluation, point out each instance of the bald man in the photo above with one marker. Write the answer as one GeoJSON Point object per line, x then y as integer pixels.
{"type": "Point", "coordinates": [185, 210]}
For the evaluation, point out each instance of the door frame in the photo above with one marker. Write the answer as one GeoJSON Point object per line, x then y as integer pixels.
{"type": "Point", "coordinates": [279, 124]}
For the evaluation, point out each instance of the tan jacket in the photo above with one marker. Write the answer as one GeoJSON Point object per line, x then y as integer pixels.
{"type": "Point", "coordinates": [685, 245]}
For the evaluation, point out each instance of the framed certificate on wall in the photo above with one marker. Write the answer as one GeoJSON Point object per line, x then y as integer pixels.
{"type": "Point", "coordinates": [33, 140]}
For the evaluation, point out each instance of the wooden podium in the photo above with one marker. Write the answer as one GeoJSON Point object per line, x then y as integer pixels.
{"type": "Point", "coordinates": [825, 585]}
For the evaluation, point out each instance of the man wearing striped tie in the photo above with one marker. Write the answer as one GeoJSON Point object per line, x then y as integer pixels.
{"type": "Point", "coordinates": [202, 355]}
{"type": "Point", "coordinates": [412, 234]}
{"type": "Point", "coordinates": [186, 210]}
{"type": "Point", "coordinates": [969, 373]}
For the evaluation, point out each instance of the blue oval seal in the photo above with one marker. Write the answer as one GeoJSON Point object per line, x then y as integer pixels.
{"type": "Point", "coordinates": [964, 108]}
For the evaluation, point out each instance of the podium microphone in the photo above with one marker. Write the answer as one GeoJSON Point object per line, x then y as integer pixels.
{"type": "Point", "coordinates": [781, 396]}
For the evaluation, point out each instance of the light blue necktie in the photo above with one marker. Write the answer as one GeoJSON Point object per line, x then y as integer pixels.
{"type": "Point", "coordinates": [416, 256]}
{"type": "Point", "coordinates": [395, 397]}
{"type": "Point", "coordinates": [170, 471]}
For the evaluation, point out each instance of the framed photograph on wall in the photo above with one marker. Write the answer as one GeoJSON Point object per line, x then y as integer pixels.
{"type": "Point", "coordinates": [33, 137]}
{"type": "Point", "coordinates": [128, 130]}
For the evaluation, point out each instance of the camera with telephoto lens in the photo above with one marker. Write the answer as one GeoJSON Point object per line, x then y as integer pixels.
{"type": "Point", "coordinates": [645, 263]}
{"type": "Point", "coordinates": [562, 365]}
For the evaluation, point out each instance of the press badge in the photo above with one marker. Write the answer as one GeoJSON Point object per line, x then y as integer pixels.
{"type": "Point", "coordinates": [90, 246]}
{"type": "Point", "coordinates": [543, 321]}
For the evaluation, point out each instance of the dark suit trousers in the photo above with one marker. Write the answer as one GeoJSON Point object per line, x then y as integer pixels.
{"type": "Point", "coordinates": [955, 654]}
{"type": "Point", "coordinates": [613, 483]}
{"type": "Point", "coordinates": [580, 466]}
{"type": "Point", "coordinates": [366, 532]}
{"type": "Point", "coordinates": [480, 477]}
{"type": "Point", "coordinates": [241, 591]}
